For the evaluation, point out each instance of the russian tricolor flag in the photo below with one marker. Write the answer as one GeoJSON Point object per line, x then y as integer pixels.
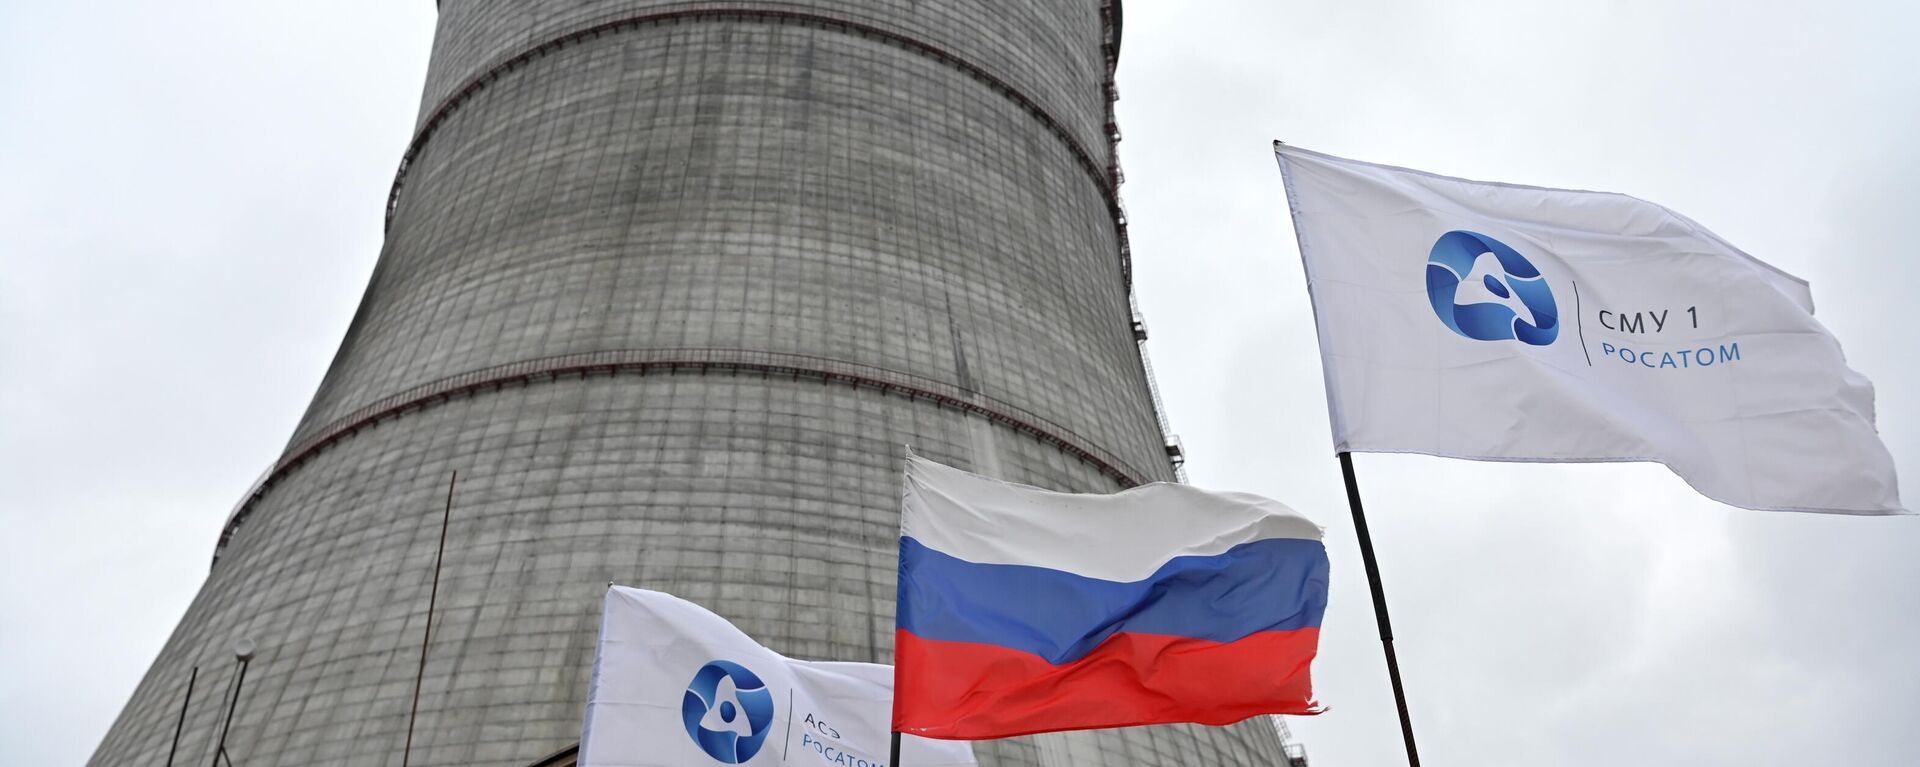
{"type": "Point", "coordinates": [1023, 610]}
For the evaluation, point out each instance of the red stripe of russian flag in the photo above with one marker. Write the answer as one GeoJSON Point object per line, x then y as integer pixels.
{"type": "Point", "coordinates": [968, 691]}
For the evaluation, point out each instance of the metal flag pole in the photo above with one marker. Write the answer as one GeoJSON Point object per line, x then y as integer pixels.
{"type": "Point", "coordinates": [243, 654]}
{"type": "Point", "coordinates": [893, 755]}
{"type": "Point", "coordinates": [433, 598]}
{"type": "Point", "coordinates": [1379, 603]}
{"type": "Point", "coordinates": [182, 724]}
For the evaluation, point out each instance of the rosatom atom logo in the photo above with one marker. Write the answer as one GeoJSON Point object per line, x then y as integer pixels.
{"type": "Point", "coordinates": [728, 711]}
{"type": "Point", "coordinates": [1458, 269]}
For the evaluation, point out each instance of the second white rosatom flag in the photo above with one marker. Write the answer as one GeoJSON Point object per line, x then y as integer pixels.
{"type": "Point", "coordinates": [1513, 323]}
{"type": "Point", "coordinates": [676, 685]}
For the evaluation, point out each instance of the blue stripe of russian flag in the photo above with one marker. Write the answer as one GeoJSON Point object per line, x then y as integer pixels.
{"type": "Point", "coordinates": [1275, 584]}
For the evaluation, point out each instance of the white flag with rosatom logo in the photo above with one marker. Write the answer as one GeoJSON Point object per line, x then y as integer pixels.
{"type": "Point", "coordinates": [1512, 323]}
{"type": "Point", "coordinates": [675, 685]}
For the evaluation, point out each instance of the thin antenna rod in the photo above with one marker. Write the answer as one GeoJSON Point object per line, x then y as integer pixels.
{"type": "Point", "coordinates": [1379, 603]}
{"type": "Point", "coordinates": [433, 599]}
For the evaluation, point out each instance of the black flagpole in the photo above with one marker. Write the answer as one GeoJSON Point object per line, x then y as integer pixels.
{"type": "Point", "coordinates": [182, 724]}
{"type": "Point", "coordinates": [243, 655]}
{"type": "Point", "coordinates": [893, 760]}
{"type": "Point", "coordinates": [1379, 603]}
{"type": "Point", "coordinates": [433, 597]}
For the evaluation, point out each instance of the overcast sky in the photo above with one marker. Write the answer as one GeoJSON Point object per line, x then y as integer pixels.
{"type": "Point", "coordinates": [190, 206]}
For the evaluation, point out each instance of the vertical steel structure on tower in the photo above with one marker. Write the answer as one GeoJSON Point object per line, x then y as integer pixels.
{"type": "Point", "coordinates": [670, 284]}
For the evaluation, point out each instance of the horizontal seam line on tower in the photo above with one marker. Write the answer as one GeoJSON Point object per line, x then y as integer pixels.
{"type": "Point", "coordinates": [643, 362]}
{"type": "Point", "coordinates": [1102, 180]}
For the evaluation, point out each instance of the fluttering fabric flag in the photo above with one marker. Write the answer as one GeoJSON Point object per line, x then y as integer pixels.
{"type": "Point", "coordinates": [1487, 321]}
{"type": "Point", "coordinates": [1023, 610]}
{"type": "Point", "coordinates": [675, 685]}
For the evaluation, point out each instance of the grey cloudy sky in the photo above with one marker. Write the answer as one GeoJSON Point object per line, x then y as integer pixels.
{"type": "Point", "coordinates": [190, 199]}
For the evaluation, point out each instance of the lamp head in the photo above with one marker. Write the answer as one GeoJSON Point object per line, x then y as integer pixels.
{"type": "Point", "coordinates": [243, 649]}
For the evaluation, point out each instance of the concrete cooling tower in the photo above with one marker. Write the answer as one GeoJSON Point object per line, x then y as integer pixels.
{"type": "Point", "coordinates": [670, 285]}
